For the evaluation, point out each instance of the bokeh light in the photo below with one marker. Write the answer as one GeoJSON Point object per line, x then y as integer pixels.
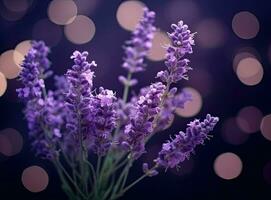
{"type": "Point", "coordinates": [266, 127]}
{"type": "Point", "coordinates": [240, 56]}
{"type": "Point", "coordinates": [8, 66]}
{"type": "Point", "coordinates": [187, 10]}
{"type": "Point", "coordinates": [11, 142]}
{"type": "Point", "coordinates": [211, 33]}
{"type": "Point", "coordinates": [250, 71]}
{"type": "Point", "coordinates": [129, 13]}
{"type": "Point", "coordinates": [231, 133]}
{"type": "Point", "coordinates": [267, 172]}
{"type": "Point", "coordinates": [191, 108]}
{"type": "Point", "coordinates": [3, 84]}
{"type": "Point", "coordinates": [245, 25]}
{"type": "Point", "coordinates": [35, 179]}
{"type": "Point", "coordinates": [47, 31]}
{"type": "Point", "coordinates": [228, 166]}
{"type": "Point", "coordinates": [202, 80]}
{"type": "Point", "coordinates": [159, 43]}
{"type": "Point", "coordinates": [16, 5]}
{"type": "Point", "coordinates": [20, 51]}
{"type": "Point", "coordinates": [86, 7]}
{"type": "Point", "coordinates": [249, 119]}
{"type": "Point", "coordinates": [62, 12]}
{"type": "Point", "coordinates": [81, 30]}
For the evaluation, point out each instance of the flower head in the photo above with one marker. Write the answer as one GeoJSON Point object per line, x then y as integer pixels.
{"type": "Point", "coordinates": [34, 70]}
{"type": "Point", "coordinates": [177, 66]}
{"type": "Point", "coordinates": [178, 149]}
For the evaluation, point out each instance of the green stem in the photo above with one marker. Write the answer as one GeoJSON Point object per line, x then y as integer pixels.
{"type": "Point", "coordinates": [126, 88]}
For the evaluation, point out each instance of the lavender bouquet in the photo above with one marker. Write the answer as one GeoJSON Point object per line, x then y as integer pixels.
{"type": "Point", "coordinates": [93, 137]}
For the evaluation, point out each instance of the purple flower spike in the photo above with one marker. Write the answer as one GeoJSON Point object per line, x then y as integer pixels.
{"type": "Point", "coordinates": [34, 69]}
{"type": "Point", "coordinates": [138, 46]}
{"type": "Point", "coordinates": [78, 98]}
{"type": "Point", "coordinates": [177, 66]}
{"type": "Point", "coordinates": [102, 120]}
{"type": "Point", "coordinates": [178, 149]}
{"type": "Point", "coordinates": [141, 118]}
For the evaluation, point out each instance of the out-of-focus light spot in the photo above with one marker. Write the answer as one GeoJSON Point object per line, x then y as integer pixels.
{"type": "Point", "coordinates": [159, 43]}
{"type": "Point", "coordinates": [266, 127]}
{"type": "Point", "coordinates": [23, 47]}
{"type": "Point", "coordinates": [62, 12]}
{"type": "Point", "coordinates": [193, 107]}
{"type": "Point", "coordinates": [47, 31]}
{"type": "Point", "coordinates": [16, 5]}
{"type": "Point", "coordinates": [186, 10]}
{"type": "Point", "coordinates": [249, 119]}
{"type": "Point", "coordinates": [7, 65]}
{"type": "Point", "coordinates": [3, 84]}
{"type": "Point", "coordinates": [86, 7]}
{"type": "Point", "coordinates": [250, 71]}
{"type": "Point", "coordinates": [228, 166]}
{"type": "Point", "coordinates": [20, 51]}
{"type": "Point", "coordinates": [5, 145]}
{"type": "Point", "coordinates": [202, 81]}
{"type": "Point", "coordinates": [211, 33]}
{"type": "Point", "coordinates": [232, 134]}
{"type": "Point", "coordinates": [11, 142]}
{"type": "Point", "coordinates": [185, 168]}
{"type": "Point", "coordinates": [81, 30]}
{"type": "Point", "coordinates": [269, 53]}
{"type": "Point", "coordinates": [245, 25]}
{"type": "Point", "coordinates": [267, 172]}
{"type": "Point", "coordinates": [129, 13]}
{"type": "Point", "coordinates": [240, 56]}
{"type": "Point", "coordinates": [11, 15]}
{"type": "Point", "coordinates": [35, 179]}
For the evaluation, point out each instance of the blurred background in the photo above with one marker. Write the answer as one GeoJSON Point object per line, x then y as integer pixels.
{"type": "Point", "coordinates": [231, 79]}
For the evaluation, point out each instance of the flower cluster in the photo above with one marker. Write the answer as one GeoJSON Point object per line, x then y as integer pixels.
{"type": "Point", "coordinates": [103, 120]}
{"type": "Point", "coordinates": [178, 149]}
{"type": "Point", "coordinates": [177, 66]}
{"type": "Point", "coordinates": [137, 48]}
{"type": "Point", "coordinates": [34, 67]}
{"type": "Point", "coordinates": [78, 97]}
{"type": "Point", "coordinates": [141, 117]}
{"type": "Point", "coordinates": [76, 120]}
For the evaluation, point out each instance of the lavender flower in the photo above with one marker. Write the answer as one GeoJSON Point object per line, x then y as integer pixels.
{"type": "Point", "coordinates": [177, 66]}
{"type": "Point", "coordinates": [178, 149]}
{"type": "Point", "coordinates": [141, 117]}
{"type": "Point", "coordinates": [173, 102]}
{"type": "Point", "coordinates": [137, 48]}
{"type": "Point", "coordinates": [103, 120]}
{"type": "Point", "coordinates": [78, 98]}
{"type": "Point", "coordinates": [33, 71]}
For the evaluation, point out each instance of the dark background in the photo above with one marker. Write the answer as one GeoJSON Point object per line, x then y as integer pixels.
{"type": "Point", "coordinates": [227, 97]}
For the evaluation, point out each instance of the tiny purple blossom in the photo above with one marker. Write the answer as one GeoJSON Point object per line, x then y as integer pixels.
{"type": "Point", "coordinates": [177, 66]}
{"type": "Point", "coordinates": [178, 149]}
